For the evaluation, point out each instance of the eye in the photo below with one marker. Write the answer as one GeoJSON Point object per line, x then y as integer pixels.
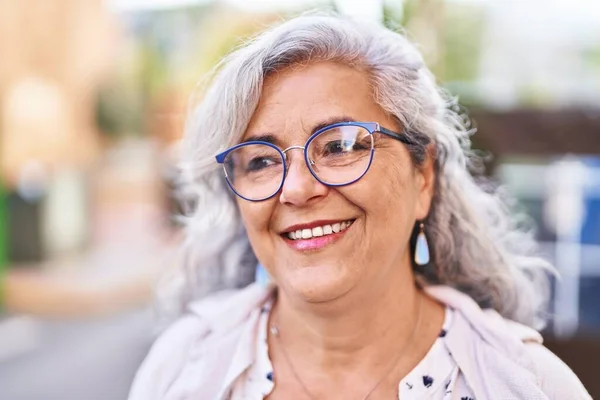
{"type": "Point", "coordinates": [260, 163]}
{"type": "Point", "coordinates": [342, 146]}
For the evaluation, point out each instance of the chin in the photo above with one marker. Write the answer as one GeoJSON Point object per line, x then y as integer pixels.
{"type": "Point", "coordinates": [318, 286]}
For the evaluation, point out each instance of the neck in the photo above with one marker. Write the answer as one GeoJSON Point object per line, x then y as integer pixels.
{"type": "Point", "coordinates": [360, 327]}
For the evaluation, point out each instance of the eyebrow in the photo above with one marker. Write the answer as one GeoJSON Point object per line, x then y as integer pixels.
{"type": "Point", "coordinates": [271, 138]}
{"type": "Point", "coordinates": [331, 121]}
{"type": "Point", "coordinates": [266, 137]}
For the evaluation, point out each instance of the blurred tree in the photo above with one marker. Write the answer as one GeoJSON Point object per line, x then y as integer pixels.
{"type": "Point", "coordinates": [118, 110]}
{"type": "Point", "coordinates": [218, 39]}
{"type": "Point", "coordinates": [591, 55]}
{"type": "Point", "coordinates": [3, 226]}
{"type": "Point", "coordinates": [153, 67]}
{"type": "Point", "coordinates": [176, 48]}
{"type": "Point", "coordinates": [449, 37]}
{"type": "Point", "coordinates": [154, 71]}
{"type": "Point", "coordinates": [461, 49]}
{"type": "Point", "coordinates": [3, 234]}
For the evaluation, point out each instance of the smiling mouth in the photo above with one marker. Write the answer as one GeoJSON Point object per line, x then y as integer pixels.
{"type": "Point", "coordinates": [318, 231]}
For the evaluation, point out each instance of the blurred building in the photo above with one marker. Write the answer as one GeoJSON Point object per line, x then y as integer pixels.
{"type": "Point", "coordinates": [58, 52]}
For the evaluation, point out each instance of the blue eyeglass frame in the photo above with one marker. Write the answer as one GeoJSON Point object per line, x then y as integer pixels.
{"type": "Point", "coordinates": [371, 127]}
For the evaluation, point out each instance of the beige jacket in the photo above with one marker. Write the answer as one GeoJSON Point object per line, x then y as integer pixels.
{"type": "Point", "coordinates": [201, 355]}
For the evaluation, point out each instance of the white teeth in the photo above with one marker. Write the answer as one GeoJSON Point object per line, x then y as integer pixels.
{"type": "Point", "coordinates": [319, 231]}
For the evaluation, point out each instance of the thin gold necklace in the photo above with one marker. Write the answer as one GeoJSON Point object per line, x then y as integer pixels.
{"type": "Point", "coordinates": [277, 334]}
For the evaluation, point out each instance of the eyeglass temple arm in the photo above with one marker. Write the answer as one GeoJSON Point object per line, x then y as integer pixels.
{"type": "Point", "coordinates": [403, 138]}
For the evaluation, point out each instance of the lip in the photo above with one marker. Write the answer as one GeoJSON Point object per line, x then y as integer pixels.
{"type": "Point", "coordinates": [315, 243]}
{"type": "Point", "coordinates": [313, 224]}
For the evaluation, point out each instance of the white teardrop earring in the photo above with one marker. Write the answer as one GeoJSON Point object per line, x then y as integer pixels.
{"type": "Point", "coordinates": [422, 248]}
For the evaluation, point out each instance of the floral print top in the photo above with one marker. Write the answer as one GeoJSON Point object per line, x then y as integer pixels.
{"type": "Point", "coordinates": [436, 377]}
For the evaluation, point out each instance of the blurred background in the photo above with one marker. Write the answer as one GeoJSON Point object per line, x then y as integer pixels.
{"type": "Point", "coordinates": [93, 97]}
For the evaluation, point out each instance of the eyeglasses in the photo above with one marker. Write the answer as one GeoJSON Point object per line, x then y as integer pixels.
{"type": "Point", "coordinates": [336, 155]}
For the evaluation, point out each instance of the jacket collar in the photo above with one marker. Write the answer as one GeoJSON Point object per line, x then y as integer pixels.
{"type": "Point", "coordinates": [477, 339]}
{"type": "Point", "coordinates": [227, 310]}
{"type": "Point", "coordinates": [489, 349]}
{"type": "Point", "coordinates": [236, 316]}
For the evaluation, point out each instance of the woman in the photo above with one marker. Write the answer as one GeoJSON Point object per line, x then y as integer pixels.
{"type": "Point", "coordinates": [348, 175]}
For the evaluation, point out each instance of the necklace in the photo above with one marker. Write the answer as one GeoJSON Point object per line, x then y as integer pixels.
{"type": "Point", "coordinates": [277, 334]}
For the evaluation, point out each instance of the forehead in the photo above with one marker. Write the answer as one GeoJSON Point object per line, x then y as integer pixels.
{"type": "Point", "coordinates": [297, 100]}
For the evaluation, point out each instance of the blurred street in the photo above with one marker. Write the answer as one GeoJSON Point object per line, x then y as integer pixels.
{"type": "Point", "coordinates": [79, 324]}
{"type": "Point", "coordinates": [92, 359]}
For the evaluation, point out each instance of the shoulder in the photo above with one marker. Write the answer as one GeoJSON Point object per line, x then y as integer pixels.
{"type": "Point", "coordinates": [557, 380]}
{"type": "Point", "coordinates": [215, 322]}
{"type": "Point", "coordinates": [477, 331]}
{"type": "Point", "coordinates": [166, 358]}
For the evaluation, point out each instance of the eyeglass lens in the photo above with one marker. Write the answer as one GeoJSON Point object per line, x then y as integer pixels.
{"type": "Point", "coordinates": [336, 156]}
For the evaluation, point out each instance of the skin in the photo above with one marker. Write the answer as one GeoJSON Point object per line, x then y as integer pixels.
{"type": "Point", "coordinates": [346, 310]}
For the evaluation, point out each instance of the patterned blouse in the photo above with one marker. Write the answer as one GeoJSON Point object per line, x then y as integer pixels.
{"type": "Point", "coordinates": [436, 376]}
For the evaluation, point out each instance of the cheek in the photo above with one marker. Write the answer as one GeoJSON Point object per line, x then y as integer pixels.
{"type": "Point", "coordinates": [391, 187]}
{"type": "Point", "coordinates": [389, 210]}
{"type": "Point", "coordinates": [400, 185]}
{"type": "Point", "coordinates": [256, 216]}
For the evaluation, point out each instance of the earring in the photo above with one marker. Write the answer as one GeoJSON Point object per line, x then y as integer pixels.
{"type": "Point", "coordinates": [261, 276]}
{"type": "Point", "coordinates": [422, 248]}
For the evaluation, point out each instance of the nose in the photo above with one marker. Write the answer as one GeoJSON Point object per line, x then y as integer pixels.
{"type": "Point", "coordinates": [300, 186]}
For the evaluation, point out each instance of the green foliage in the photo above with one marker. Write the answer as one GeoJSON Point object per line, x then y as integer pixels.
{"type": "Point", "coordinates": [591, 57]}
{"type": "Point", "coordinates": [410, 10]}
{"type": "Point", "coordinates": [147, 69]}
{"type": "Point", "coordinates": [461, 34]}
{"type": "Point", "coordinates": [3, 229]}
{"type": "Point", "coordinates": [118, 111]}
{"type": "Point", "coordinates": [459, 31]}
{"type": "Point", "coordinates": [3, 242]}
{"type": "Point", "coordinates": [392, 18]}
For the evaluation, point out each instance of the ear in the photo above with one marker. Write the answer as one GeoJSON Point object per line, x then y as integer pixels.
{"type": "Point", "coordinates": [425, 183]}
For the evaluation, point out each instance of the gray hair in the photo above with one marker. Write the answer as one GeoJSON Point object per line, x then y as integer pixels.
{"type": "Point", "coordinates": [477, 246]}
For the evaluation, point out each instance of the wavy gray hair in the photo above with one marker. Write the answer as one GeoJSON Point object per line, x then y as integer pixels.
{"type": "Point", "coordinates": [477, 246]}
